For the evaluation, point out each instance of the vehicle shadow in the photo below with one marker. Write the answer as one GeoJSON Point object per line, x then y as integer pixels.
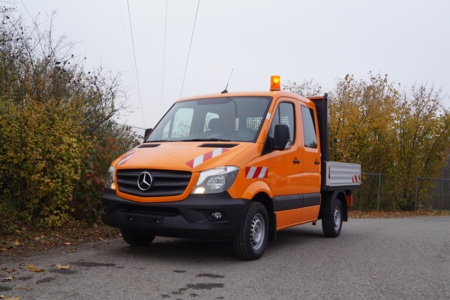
{"type": "Point", "coordinates": [164, 248]}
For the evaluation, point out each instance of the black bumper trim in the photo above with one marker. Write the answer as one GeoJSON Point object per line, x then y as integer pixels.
{"type": "Point", "coordinates": [187, 218]}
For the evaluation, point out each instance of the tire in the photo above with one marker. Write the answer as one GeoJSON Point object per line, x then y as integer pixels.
{"type": "Point", "coordinates": [136, 239]}
{"type": "Point", "coordinates": [251, 240]}
{"type": "Point", "coordinates": [332, 218]}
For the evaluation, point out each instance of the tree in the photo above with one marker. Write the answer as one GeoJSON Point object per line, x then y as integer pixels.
{"type": "Point", "coordinates": [306, 88]}
{"type": "Point", "coordinates": [57, 128]}
{"type": "Point", "coordinates": [423, 142]}
{"type": "Point", "coordinates": [400, 135]}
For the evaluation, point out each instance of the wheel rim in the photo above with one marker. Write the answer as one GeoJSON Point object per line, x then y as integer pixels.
{"type": "Point", "coordinates": [337, 218]}
{"type": "Point", "coordinates": [257, 232]}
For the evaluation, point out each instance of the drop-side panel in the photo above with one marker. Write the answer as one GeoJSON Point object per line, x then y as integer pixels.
{"type": "Point", "coordinates": [339, 174]}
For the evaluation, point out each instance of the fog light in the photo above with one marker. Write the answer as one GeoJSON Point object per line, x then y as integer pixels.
{"type": "Point", "coordinates": [216, 216]}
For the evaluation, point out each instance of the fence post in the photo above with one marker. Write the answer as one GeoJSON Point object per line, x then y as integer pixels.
{"type": "Point", "coordinates": [379, 187]}
{"type": "Point", "coordinates": [417, 197]}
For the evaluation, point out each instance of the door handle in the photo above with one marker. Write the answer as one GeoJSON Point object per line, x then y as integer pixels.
{"type": "Point", "coordinates": [296, 161]}
{"type": "Point", "coordinates": [317, 162]}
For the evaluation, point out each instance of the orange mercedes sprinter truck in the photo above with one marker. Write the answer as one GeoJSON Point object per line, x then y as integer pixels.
{"type": "Point", "coordinates": [240, 166]}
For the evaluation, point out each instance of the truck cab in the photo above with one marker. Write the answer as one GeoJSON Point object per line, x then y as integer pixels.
{"type": "Point", "coordinates": [232, 165]}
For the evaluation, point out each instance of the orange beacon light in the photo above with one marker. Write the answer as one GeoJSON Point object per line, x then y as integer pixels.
{"type": "Point", "coordinates": [275, 83]}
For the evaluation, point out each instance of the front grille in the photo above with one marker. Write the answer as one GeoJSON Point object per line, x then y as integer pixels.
{"type": "Point", "coordinates": [165, 183]}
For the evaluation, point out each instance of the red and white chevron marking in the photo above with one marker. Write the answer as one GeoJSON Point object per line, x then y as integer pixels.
{"type": "Point", "coordinates": [356, 179]}
{"type": "Point", "coordinates": [256, 172]}
{"type": "Point", "coordinates": [206, 156]}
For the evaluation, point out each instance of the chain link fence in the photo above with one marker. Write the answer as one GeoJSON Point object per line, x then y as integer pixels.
{"type": "Point", "coordinates": [436, 195]}
{"type": "Point", "coordinates": [368, 196]}
{"type": "Point", "coordinates": [437, 191]}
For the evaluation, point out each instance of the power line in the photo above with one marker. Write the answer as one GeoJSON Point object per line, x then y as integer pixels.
{"type": "Point", "coordinates": [164, 57]}
{"type": "Point", "coordinates": [135, 61]}
{"type": "Point", "coordinates": [130, 61]}
{"type": "Point", "coordinates": [38, 31]}
{"type": "Point", "coordinates": [26, 9]}
{"type": "Point", "coordinates": [190, 45]}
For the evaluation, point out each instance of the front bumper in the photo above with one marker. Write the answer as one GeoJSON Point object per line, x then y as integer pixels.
{"type": "Point", "coordinates": [188, 218]}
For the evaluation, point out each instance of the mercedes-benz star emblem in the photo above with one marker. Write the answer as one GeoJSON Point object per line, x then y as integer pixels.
{"type": "Point", "coordinates": [144, 181]}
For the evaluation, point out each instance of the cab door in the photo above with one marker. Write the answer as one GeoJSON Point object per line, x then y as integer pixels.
{"type": "Point", "coordinates": [285, 166]}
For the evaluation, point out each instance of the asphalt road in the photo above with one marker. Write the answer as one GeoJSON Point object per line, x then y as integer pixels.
{"type": "Point", "coordinates": [406, 258]}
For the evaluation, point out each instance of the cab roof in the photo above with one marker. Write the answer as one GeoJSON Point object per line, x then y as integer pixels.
{"type": "Point", "coordinates": [273, 94]}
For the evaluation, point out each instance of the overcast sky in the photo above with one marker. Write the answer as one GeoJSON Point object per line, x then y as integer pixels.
{"type": "Point", "coordinates": [316, 39]}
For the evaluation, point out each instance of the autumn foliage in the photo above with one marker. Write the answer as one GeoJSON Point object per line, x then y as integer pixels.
{"type": "Point", "coordinates": [396, 134]}
{"type": "Point", "coordinates": [57, 133]}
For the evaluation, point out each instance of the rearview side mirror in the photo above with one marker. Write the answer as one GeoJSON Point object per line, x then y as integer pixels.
{"type": "Point", "coordinates": [147, 132]}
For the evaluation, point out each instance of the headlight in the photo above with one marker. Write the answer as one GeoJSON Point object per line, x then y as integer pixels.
{"type": "Point", "coordinates": [111, 180]}
{"type": "Point", "coordinates": [215, 180]}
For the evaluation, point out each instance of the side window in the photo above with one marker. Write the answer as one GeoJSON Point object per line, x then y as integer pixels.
{"type": "Point", "coordinates": [309, 127]}
{"type": "Point", "coordinates": [284, 115]}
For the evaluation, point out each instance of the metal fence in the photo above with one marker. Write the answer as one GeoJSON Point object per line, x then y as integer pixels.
{"type": "Point", "coordinates": [368, 196]}
{"type": "Point", "coordinates": [438, 193]}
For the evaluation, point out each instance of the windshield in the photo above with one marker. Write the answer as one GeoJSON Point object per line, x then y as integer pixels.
{"type": "Point", "coordinates": [213, 119]}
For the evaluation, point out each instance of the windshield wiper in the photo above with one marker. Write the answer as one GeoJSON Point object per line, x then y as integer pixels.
{"type": "Point", "coordinates": [206, 139]}
{"type": "Point", "coordinates": [158, 141]}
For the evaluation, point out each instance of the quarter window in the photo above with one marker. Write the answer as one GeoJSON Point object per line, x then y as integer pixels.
{"type": "Point", "coordinates": [309, 127]}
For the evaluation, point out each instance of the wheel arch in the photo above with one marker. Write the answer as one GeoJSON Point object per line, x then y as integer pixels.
{"type": "Point", "coordinates": [336, 194]}
{"type": "Point", "coordinates": [265, 200]}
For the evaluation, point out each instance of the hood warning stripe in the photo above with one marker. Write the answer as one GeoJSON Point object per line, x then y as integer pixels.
{"type": "Point", "coordinates": [205, 156]}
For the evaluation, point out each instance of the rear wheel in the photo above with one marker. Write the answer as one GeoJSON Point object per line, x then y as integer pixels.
{"type": "Point", "coordinates": [332, 218]}
{"type": "Point", "coordinates": [251, 240]}
{"type": "Point", "coordinates": [135, 238]}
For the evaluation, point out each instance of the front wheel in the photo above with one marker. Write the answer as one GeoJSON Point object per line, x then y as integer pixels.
{"type": "Point", "coordinates": [135, 238]}
{"type": "Point", "coordinates": [332, 218]}
{"type": "Point", "coordinates": [251, 240]}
